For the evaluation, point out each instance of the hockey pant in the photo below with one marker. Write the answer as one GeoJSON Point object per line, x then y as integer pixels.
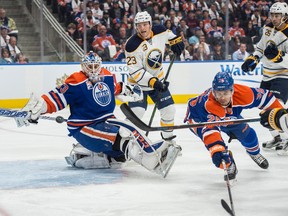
{"type": "Point", "coordinates": [165, 105]}
{"type": "Point", "coordinates": [246, 136]}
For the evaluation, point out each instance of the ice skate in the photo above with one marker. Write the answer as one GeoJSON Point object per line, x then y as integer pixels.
{"type": "Point", "coordinates": [283, 148]}
{"type": "Point", "coordinates": [260, 160]}
{"type": "Point", "coordinates": [272, 144]}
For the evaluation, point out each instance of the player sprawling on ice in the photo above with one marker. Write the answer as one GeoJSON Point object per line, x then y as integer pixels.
{"type": "Point", "coordinates": [224, 101]}
{"type": "Point", "coordinates": [144, 55]}
{"type": "Point", "coordinates": [272, 50]}
{"type": "Point", "coordinates": [276, 119]}
{"type": "Point", "coordinates": [104, 139]}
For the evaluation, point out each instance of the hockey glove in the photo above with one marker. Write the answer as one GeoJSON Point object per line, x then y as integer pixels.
{"type": "Point", "coordinates": [157, 85]}
{"type": "Point", "coordinates": [130, 93]}
{"type": "Point", "coordinates": [219, 153]}
{"type": "Point", "coordinates": [273, 53]}
{"type": "Point", "coordinates": [271, 118]}
{"type": "Point", "coordinates": [250, 63]}
{"type": "Point", "coordinates": [36, 106]}
{"type": "Point", "coordinates": [177, 45]}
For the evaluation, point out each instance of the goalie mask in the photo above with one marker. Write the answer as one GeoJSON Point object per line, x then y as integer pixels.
{"type": "Point", "coordinates": [223, 87]}
{"type": "Point", "coordinates": [91, 65]}
{"type": "Point", "coordinates": [279, 8]}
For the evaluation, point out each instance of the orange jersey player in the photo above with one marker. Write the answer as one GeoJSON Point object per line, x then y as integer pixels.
{"type": "Point", "coordinates": [224, 101]}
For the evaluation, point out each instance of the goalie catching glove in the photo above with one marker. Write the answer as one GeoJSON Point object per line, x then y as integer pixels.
{"type": "Point", "coordinates": [35, 107]}
{"type": "Point", "coordinates": [131, 93]}
{"type": "Point", "coordinates": [275, 119]}
{"type": "Point", "coordinates": [177, 45]}
{"type": "Point", "coordinates": [273, 53]}
{"type": "Point", "coordinates": [250, 63]}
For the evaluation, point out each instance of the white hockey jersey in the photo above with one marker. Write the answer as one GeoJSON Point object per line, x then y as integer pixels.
{"type": "Point", "coordinates": [144, 57]}
{"type": "Point", "coordinates": [273, 70]}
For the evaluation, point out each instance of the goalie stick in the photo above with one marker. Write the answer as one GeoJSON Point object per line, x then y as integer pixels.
{"type": "Point", "coordinates": [24, 114]}
{"type": "Point", "coordinates": [140, 124]}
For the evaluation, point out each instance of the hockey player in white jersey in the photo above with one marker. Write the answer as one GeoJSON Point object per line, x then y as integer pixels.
{"type": "Point", "coordinates": [144, 55]}
{"type": "Point", "coordinates": [272, 50]}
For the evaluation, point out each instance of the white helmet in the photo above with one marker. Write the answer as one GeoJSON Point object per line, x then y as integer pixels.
{"type": "Point", "coordinates": [91, 65]}
{"type": "Point", "coordinates": [279, 7]}
{"type": "Point", "coordinates": [142, 17]}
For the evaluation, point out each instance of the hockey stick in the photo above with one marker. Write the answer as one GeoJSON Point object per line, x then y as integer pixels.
{"type": "Point", "coordinates": [24, 114]}
{"type": "Point", "coordinates": [159, 95]}
{"type": "Point", "coordinates": [231, 210]}
{"type": "Point", "coordinates": [140, 124]}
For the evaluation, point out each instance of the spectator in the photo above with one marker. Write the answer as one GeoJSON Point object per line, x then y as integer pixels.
{"type": "Point", "coordinates": [21, 59]}
{"type": "Point", "coordinates": [168, 24]}
{"type": "Point", "coordinates": [206, 20]}
{"type": "Point", "coordinates": [116, 11]}
{"type": "Point", "coordinates": [182, 27]}
{"type": "Point", "coordinates": [120, 55]}
{"type": "Point", "coordinates": [191, 21]}
{"type": "Point", "coordinates": [8, 22]}
{"type": "Point", "coordinates": [74, 33]}
{"type": "Point", "coordinates": [201, 4]}
{"type": "Point", "coordinates": [215, 31]}
{"type": "Point", "coordinates": [6, 57]}
{"type": "Point", "coordinates": [174, 19]}
{"type": "Point", "coordinates": [4, 37]}
{"type": "Point", "coordinates": [252, 32]}
{"type": "Point", "coordinates": [217, 52]}
{"type": "Point", "coordinates": [213, 13]}
{"type": "Point", "coordinates": [122, 37]}
{"type": "Point", "coordinates": [236, 29]}
{"type": "Point", "coordinates": [241, 53]}
{"type": "Point", "coordinates": [202, 42]}
{"type": "Point", "coordinates": [96, 11]}
{"type": "Point", "coordinates": [90, 22]}
{"type": "Point", "coordinates": [106, 20]}
{"type": "Point", "coordinates": [13, 48]}
{"type": "Point", "coordinates": [124, 6]}
{"type": "Point", "coordinates": [201, 54]}
{"type": "Point", "coordinates": [101, 42]}
{"type": "Point", "coordinates": [195, 38]}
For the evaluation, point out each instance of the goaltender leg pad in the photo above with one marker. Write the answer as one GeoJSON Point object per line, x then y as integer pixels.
{"type": "Point", "coordinates": [158, 156]}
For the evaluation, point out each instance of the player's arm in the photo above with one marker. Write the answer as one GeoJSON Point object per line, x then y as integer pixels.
{"type": "Point", "coordinates": [176, 43]}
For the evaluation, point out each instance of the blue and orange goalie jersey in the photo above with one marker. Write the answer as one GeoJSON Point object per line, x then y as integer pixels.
{"type": "Point", "coordinates": [205, 108]}
{"type": "Point", "coordinates": [88, 103]}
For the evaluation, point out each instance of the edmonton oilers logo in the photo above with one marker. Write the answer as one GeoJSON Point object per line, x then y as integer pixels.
{"type": "Point", "coordinates": [102, 94]}
{"type": "Point", "coordinates": [154, 59]}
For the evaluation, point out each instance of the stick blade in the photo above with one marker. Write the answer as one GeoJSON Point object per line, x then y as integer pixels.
{"type": "Point", "coordinates": [133, 118]}
{"type": "Point", "coordinates": [226, 207]}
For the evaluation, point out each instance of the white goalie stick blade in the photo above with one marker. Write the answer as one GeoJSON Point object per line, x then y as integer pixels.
{"type": "Point", "coordinates": [140, 124]}
{"type": "Point", "coordinates": [164, 167]}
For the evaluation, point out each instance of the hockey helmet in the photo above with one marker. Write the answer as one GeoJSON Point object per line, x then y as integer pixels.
{"type": "Point", "coordinates": [142, 17]}
{"type": "Point", "coordinates": [223, 81]}
{"type": "Point", "coordinates": [91, 65]}
{"type": "Point", "coordinates": [279, 7]}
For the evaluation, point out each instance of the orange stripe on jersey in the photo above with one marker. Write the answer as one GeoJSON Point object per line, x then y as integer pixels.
{"type": "Point", "coordinates": [76, 78]}
{"type": "Point", "coordinates": [50, 106]}
{"type": "Point", "coordinates": [211, 138]}
{"type": "Point", "coordinates": [111, 138]}
{"type": "Point", "coordinates": [56, 98]}
{"type": "Point", "coordinates": [118, 89]}
{"type": "Point", "coordinates": [276, 104]}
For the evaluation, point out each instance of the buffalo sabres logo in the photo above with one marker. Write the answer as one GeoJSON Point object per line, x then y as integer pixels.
{"type": "Point", "coordinates": [102, 94]}
{"type": "Point", "coordinates": [154, 59]}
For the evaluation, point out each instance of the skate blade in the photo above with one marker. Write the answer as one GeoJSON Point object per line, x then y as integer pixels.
{"type": "Point", "coordinates": [172, 154]}
{"type": "Point", "coordinates": [282, 152]}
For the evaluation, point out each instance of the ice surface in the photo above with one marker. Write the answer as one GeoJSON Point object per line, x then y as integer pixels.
{"type": "Point", "coordinates": [36, 181]}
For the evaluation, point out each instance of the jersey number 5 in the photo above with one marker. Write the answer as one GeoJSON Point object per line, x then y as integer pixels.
{"type": "Point", "coordinates": [131, 60]}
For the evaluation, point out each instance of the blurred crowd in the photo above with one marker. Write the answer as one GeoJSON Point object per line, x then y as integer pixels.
{"type": "Point", "coordinates": [10, 51]}
{"type": "Point", "coordinates": [109, 23]}
{"type": "Point", "coordinates": [201, 24]}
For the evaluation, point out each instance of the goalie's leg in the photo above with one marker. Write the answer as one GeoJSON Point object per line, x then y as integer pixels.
{"type": "Point", "coordinates": [158, 156]}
